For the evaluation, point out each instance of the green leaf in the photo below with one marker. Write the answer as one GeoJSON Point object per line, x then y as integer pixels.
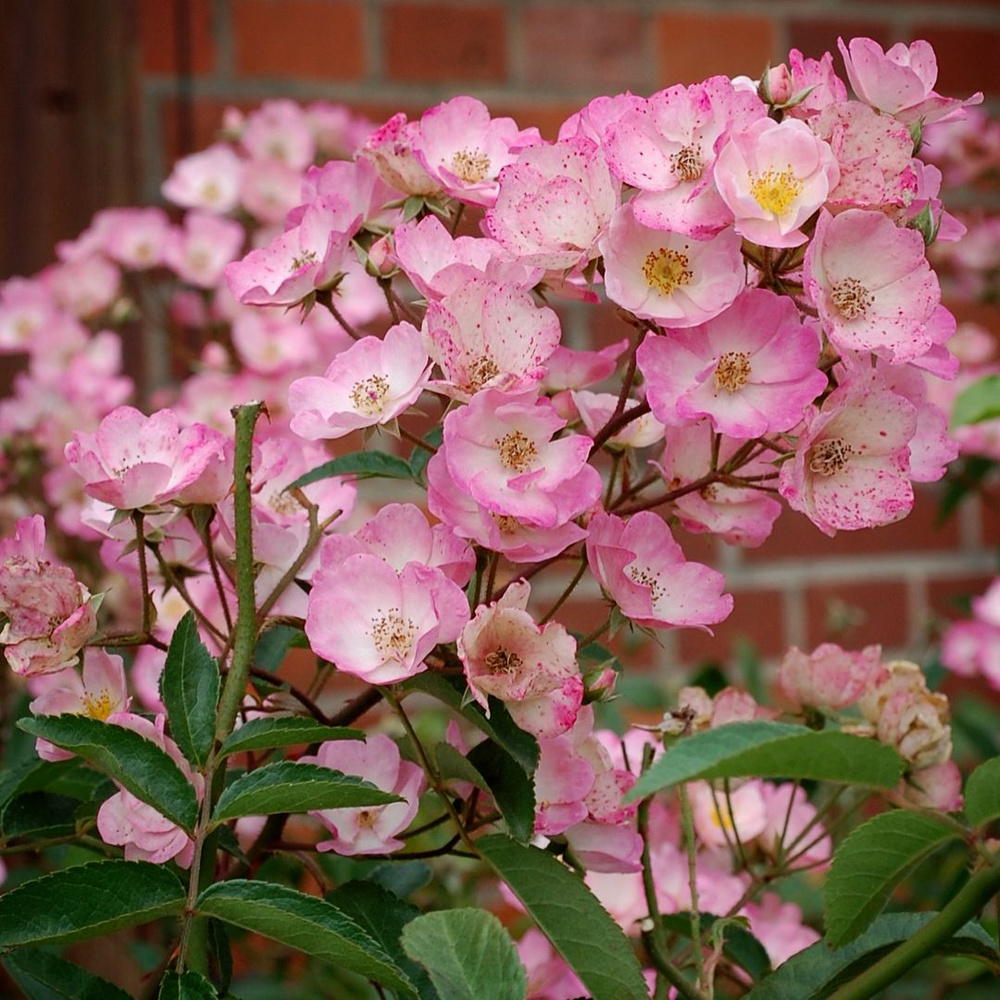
{"type": "Point", "coordinates": [305, 923]}
{"type": "Point", "coordinates": [292, 787]}
{"type": "Point", "coordinates": [402, 878]}
{"type": "Point", "coordinates": [982, 793]}
{"type": "Point", "coordinates": [189, 689]}
{"type": "Point", "coordinates": [818, 970]}
{"type": "Point", "coordinates": [43, 976]}
{"type": "Point", "coordinates": [186, 986]}
{"type": "Point", "coordinates": [510, 787]}
{"type": "Point", "coordinates": [512, 790]}
{"type": "Point", "coordinates": [570, 916]}
{"type": "Point", "coordinates": [772, 750]}
{"type": "Point", "coordinates": [738, 944]}
{"type": "Point", "coordinates": [40, 815]}
{"type": "Point", "coordinates": [500, 727]}
{"type": "Point", "coordinates": [87, 900]}
{"type": "Point", "coordinates": [419, 457]}
{"type": "Point", "coordinates": [360, 465]}
{"type": "Point", "coordinates": [870, 863]}
{"type": "Point", "coordinates": [468, 954]}
{"type": "Point", "coordinates": [283, 731]}
{"type": "Point", "coordinates": [33, 776]}
{"type": "Point", "coordinates": [978, 402]}
{"type": "Point", "coordinates": [383, 915]}
{"type": "Point", "coordinates": [274, 644]}
{"type": "Point", "coordinates": [136, 763]}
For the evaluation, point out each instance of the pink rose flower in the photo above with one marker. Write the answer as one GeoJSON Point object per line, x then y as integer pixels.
{"type": "Point", "coordinates": [773, 176]}
{"type": "Point", "coordinates": [48, 615]}
{"type": "Point", "coordinates": [673, 279]}
{"type": "Point", "coordinates": [900, 81]}
{"type": "Point", "coordinates": [369, 829]}
{"type": "Point", "coordinates": [135, 461]}
{"type": "Point", "coordinates": [828, 677]}
{"type": "Point", "coordinates": [644, 571]}
{"type": "Point", "coordinates": [372, 382]}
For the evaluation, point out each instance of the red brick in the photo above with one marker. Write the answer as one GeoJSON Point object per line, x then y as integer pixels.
{"type": "Point", "coordinates": [990, 506]}
{"type": "Point", "coordinates": [444, 43]}
{"type": "Point", "coordinates": [692, 46]}
{"type": "Point", "coordinates": [857, 614]}
{"type": "Point", "coordinates": [158, 35]}
{"type": "Point", "coordinates": [796, 537]}
{"type": "Point", "coordinates": [815, 36]}
{"type": "Point", "coordinates": [605, 52]}
{"type": "Point", "coordinates": [303, 39]}
{"type": "Point", "coordinates": [968, 58]}
{"type": "Point", "coordinates": [949, 599]}
{"type": "Point", "coordinates": [757, 617]}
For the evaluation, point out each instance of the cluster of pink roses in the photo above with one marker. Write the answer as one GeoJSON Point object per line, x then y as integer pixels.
{"type": "Point", "coordinates": [765, 245]}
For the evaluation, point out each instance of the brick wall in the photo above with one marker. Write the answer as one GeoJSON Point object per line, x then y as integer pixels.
{"type": "Point", "coordinates": [539, 60]}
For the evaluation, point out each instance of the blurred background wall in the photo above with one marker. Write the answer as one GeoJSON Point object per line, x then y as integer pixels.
{"type": "Point", "coordinates": [99, 97]}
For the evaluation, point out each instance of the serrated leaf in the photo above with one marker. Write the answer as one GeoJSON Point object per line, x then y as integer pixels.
{"type": "Point", "coordinates": [819, 969]}
{"type": "Point", "coordinates": [468, 955]}
{"type": "Point", "coordinates": [39, 815]}
{"type": "Point", "coordinates": [772, 750]}
{"type": "Point", "coordinates": [32, 776]}
{"type": "Point", "coordinates": [134, 762]}
{"type": "Point", "coordinates": [570, 916]}
{"type": "Point", "coordinates": [283, 731]}
{"type": "Point", "coordinates": [44, 976]}
{"type": "Point", "coordinates": [977, 402]}
{"type": "Point", "coordinates": [305, 923]}
{"type": "Point", "coordinates": [186, 986]}
{"type": "Point", "coordinates": [383, 915]}
{"type": "Point", "coordinates": [189, 689]}
{"type": "Point", "coordinates": [870, 863]}
{"type": "Point", "coordinates": [87, 900]}
{"type": "Point", "coordinates": [360, 465]}
{"type": "Point", "coordinates": [738, 944]}
{"type": "Point", "coordinates": [499, 726]}
{"type": "Point", "coordinates": [292, 787]}
{"type": "Point", "coordinates": [982, 793]}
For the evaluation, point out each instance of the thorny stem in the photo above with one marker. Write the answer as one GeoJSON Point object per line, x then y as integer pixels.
{"type": "Point", "coordinates": [613, 426]}
{"type": "Point", "coordinates": [140, 544]}
{"type": "Point", "coordinates": [691, 848]}
{"type": "Point", "coordinates": [653, 937]}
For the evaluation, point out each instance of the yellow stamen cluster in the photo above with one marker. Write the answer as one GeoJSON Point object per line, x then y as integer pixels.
{"type": "Point", "coordinates": [776, 191]}
{"type": "Point", "coordinates": [666, 270]}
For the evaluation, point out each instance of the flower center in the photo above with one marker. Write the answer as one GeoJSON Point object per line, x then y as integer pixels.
{"type": "Point", "coordinates": [851, 298]}
{"type": "Point", "coordinates": [471, 166]}
{"type": "Point", "coordinates": [481, 371]}
{"type": "Point", "coordinates": [211, 191]}
{"type": "Point", "coordinates": [98, 706]}
{"type": "Point", "coordinates": [775, 192]}
{"type": "Point", "coordinates": [666, 269]}
{"type": "Point", "coordinates": [282, 502]}
{"type": "Point", "coordinates": [507, 524]}
{"type": "Point", "coordinates": [367, 818]}
{"type": "Point", "coordinates": [503, 661]}
{"type": "Point", "coordinates": [306, 257]}
{"type": "Point", "coordinates": [645, 577]}
{"type": "Point", "coordinates": [393, 635]}
{"type": "Point", "coordinates": [732, 371]}
{"type": "Point", "coordinates": [517, 451]}
{"type": "Point", "coordinates": [368, 396]}
{"type": "Point", "coordinates": [686, 163]}
{"type": "Point", "coordinates": [828, 457]}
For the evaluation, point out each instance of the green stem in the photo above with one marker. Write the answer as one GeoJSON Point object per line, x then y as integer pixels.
{"type": "Point", "coordinates": [653, 938]}
{"type": "Point", "coordinates": [691, 848]}
{"type": "Point", "coordinates": [564, 596]}
{"type": "Point", "coordinates": [976, 893]}
{"type": "Point", "coordinates": [140, 546]}
{"type": "Point", "coordinates": [245, 633]}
